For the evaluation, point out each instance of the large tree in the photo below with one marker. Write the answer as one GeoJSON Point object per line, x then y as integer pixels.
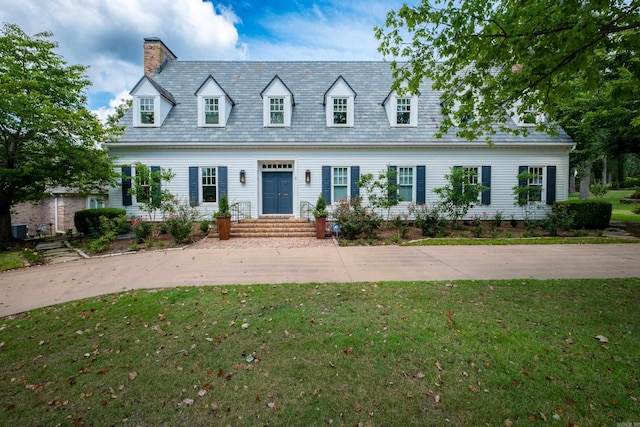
{"type": "Point", "coordinates": [490, 57]}
{"type": "Point", "coordinates": [47, 136]}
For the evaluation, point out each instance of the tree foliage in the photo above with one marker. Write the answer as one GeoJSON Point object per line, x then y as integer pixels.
{"type": "Point", "coordinates": [146, 186]}
{"type": "Point", "coordinates": [459, 194]}
{"type": "Point", "coordinates": [489, 57]}
{"type": "Point", "coordinates": [48, 137]}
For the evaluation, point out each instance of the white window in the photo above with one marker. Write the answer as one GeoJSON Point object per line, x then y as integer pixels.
{"type": "Point", "coordinates": [530, 116]}
{"type": "Point", "coordinates": [211, 111]}
{"type": "Point", "coordinates": [208, 184]}
{"type": "Point", "coordinates": [276, 111]}
{"type": "Point", "coordinates": [405, 184]}
{"type": "Point", "coordinates": [535, 180]}
{"type": "Point", "coordinates": [403, 112]}
{"type": "Point", "coordinates": [472, 175]}
{"type": "Point", "coordinates": [147, 111]}
{"type": "Point", "coordinates": [96, 202]}
{"type": "Point", "coordinates": [340, 108]}
{"type": "Point", "coordinates": [340, 183]}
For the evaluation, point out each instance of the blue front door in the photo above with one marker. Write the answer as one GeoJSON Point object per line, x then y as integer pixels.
{"type": "Point", "coordinates": [276, 193]}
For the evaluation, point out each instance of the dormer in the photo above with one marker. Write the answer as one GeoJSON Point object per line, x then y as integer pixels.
{"type": "Point", "coordinates": [151, 103]}
{"type": "Point", "coordinates": [526, 116]}
{"type": "Point", "coordinates": [339, 102]}
{"type": "Point", "coordinates": [277, 104]}
{"type": "Point", "coordinates": [214, 104]}
{"type": "Point", "coordinates": [402, 110]}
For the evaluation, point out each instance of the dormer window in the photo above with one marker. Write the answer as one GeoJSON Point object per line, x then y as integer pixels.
{"type": "Point", "coordinates": [403, 115]}
{"type": "Point", "coordinates": [211, 111]}
{"type": "Point", "coordinates": [276, 111]}
{"type": "Point", "coordinates": [277, 104]}
{"type": "Point", "coordinates": [529, 116]}
{"type": "Point", "coordinates": [339, 102]}
{"type": "Point", "coordinates": [214, 104]}
{"type": "Point", "coordinates": [402, 110]}
{"type": "Point", "coordinates": [147, 111]}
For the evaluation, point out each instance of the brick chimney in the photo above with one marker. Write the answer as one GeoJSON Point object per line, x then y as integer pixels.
{"type": "Point", "coordinates": [156, 55]}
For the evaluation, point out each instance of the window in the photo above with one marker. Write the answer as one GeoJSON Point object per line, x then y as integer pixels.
{"type": "Point", "coordinates": [403, 115]}
{"type": "Point", "coordinates": [208, 179]}
{"type": "Point", "coordinates": [472, 175]}
{"type": "Point", "coordinates": [530, 116]}
{"type": "Point", "coordinates": [339, 111]}
{"type": "Point", "coordinates": [535, 180]}
{"type": "Point", "coordinates": [211, 111]}
{"type": "Point", "coordinates": [144, 180]}
{"type": "Point", "coordinates": [405, 184]}
{"type": "Point", "coordinates": [147, 114]}
{"type": "Point", "coordinates": [276, 111]}
{"type": "Point", "coordinates": [340, 181]}
{"type": "Point", "coordinates": [96, 202]}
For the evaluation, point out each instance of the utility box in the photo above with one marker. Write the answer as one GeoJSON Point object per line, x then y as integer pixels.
{"type": "Point", "coordinates": [19, 231]}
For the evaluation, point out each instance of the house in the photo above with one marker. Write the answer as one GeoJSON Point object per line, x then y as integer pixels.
{"type": "Point", "coordinates": [273, 135]}
{"type": "Point", "coordinates": [55, 213]}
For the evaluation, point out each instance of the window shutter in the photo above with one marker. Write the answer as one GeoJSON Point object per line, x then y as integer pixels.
{"type": "Point", "coordinates": [326, 183]}
{"type": "Point", "coordinates": [421, 185]}
{"type": "Point", "coordinates": [355, 177]}
{"type": "Point", "coordinates": [393, 195]}
{"type": "Point", "coordinates": [155, 185]}
{"type": "Point", "coordinates": [551, 184]}
{"type": "Point", "coordinates": [486, 181]}
{"type": "Point", "coordinates": [522, 183]}
{"type": "Point", "coordinates": [127, 200]}
{"type": "Point", "coordinates": [222, 181]}
{"type": "Point", "coordinates": [457, 186]}
{"type": "Point", "coordinates": [194, 194]}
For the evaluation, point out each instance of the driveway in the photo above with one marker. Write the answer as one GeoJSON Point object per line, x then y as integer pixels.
{"type": "Point", "coordinates": [283, 261]}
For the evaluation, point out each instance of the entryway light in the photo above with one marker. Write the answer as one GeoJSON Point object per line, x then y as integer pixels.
{"type": "Point", "coordinates": [307, 176]}
{"type": "Point", "coordinates": [243, 176]}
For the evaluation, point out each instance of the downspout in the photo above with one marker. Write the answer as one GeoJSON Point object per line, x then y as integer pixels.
{"type": "Point", "coordinates": [55, 212]}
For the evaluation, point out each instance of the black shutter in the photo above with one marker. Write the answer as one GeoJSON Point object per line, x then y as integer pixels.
{"type": "Point", "coordinates": [393, 195]}
{"type": "Point", "coordinates": [222, 181]}
{"type": "Point", "coordinates": [486, 181]}
{"type": "Point", "coordinates": [194, 193]}
{"type": "Point", "coordinates": [155, 183]}
{"type": "Point", "coordinates": [127, 200]}
{"type": "Point", "coordinates": [355, 177]}
{"type": "Point", "coordinates": [421, 185]}
{"type": "Point", "coordinates": [551, 184]}
{"type": "Point", "coordinates": [522, 183]}
{"type": "Point", "coordinates": [458, 185]}
{"type": "Point", "coordinates": [326, 184]}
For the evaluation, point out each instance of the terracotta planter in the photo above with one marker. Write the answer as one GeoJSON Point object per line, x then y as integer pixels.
{"type": "Point", "coordinates": [321, 223]}
{"type": "Point", "coordinates": [224, 227]}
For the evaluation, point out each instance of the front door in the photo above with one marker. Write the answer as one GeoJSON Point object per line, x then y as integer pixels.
{"type": "Point", "coordinates": [276, 193]}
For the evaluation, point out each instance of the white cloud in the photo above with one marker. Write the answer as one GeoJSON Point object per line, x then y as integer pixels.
{"type": "Point", "coordinates": [103, 112]}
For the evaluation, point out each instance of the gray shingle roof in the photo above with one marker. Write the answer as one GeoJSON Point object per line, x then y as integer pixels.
{"type": "Point", "coordinates": [308, 81]}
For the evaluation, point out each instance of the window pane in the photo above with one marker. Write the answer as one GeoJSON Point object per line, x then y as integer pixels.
{"type": "Point", "coordinates": [340, 179]}
{"type": "Point", "coordinates": [339, 192]}
{"type": "Point", "coordinates": [403, 115]}
{"type": "Point", "coordinates": [535, 181]}
{"type": "Point", "coordinates": [276, 109]}
{"type": "Point", "coordinates": [340, 111]}
{"type": "Point", "coordinates": [405, 181]}
{"type": "Point", "coordinates": [208, 184]}
{"type": "Point", "coordinates": [147, 116]}
{"type": "Point", "coordinates": [211, 116]}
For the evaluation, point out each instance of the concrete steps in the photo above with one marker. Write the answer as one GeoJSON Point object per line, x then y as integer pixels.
{"type": "Point", "coordinates": [273, 227]}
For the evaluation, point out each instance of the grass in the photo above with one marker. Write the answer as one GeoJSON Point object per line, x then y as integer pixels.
{"type": "Point", "coordinates": [621, 211]}
{"type": "Point", "coordinates": [10, 260]}
{"type": "Point", "coordinates": [547, 240]}
{"type": "Point", "coordinates": [419, 353]}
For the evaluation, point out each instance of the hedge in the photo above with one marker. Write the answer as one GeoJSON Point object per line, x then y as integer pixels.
{"type": "Point", "coordinates": [588, 214]}
{"type": "Point", "coordinates": [88, 221]}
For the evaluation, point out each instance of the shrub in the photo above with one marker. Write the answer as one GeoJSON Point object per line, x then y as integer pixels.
{"type": "Point", "coordinates": [598, 189]}
{"type": "Point", "coordinates": [560, 219]}
{"type": "Point", "coordinates": [320, 209]}
{"type": "Point", "coordinates": [496, 220]}
{"type": "Point", "coordinates": [100, 244]}
{"type": "Point", "coordinates": [205, 225]}
{"type": "Point", "coordinates": [143, 230]}
{"type": "Point", "coordinates": [180, 228]}
{"type": "Point", "coordinates": [355, 220]}
{"type": "Point", "coordinates": [636, 209]}
{"type": "Point", "coordinates": [430, 221]}
{"type": "Point", "coordinates": [87, 221]}
{"type": "Point", "coordinates": [588, 214]}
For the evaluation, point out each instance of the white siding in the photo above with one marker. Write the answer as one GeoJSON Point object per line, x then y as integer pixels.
{"type": "Point", "coordinates": [504, 162]}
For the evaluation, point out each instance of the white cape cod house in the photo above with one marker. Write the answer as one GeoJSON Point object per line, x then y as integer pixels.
{"type": "Point", "coordinates": [273, 135]}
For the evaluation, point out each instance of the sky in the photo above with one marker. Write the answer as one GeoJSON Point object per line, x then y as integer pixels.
{"type": "Point", "coordinates": [107, 35]}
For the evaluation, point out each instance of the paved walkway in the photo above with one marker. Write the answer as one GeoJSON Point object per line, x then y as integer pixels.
{"type": "Point", "coordinates": [306, 260]}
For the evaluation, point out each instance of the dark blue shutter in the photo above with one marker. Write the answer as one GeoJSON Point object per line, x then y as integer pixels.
{"type": "Point", "coordinates": [421, 185]}
{"type": "Point", "coordinates": [393, 170]}
{"type": "Point", "coordinates": [326, 184]}
{"type": "Point", "coordinates": [355, 177]}
{"type": "Point", "coordinates": [155, 185]}
{"type": "Point", "coordinates": [127, 200]}
{"type": "Point", "coordinates": [194, 193]}
{"type": "Point", "coordinates": [222, 181]}
{"type": "Point", "coordinates": [522, 197]}
{"type": "Point", "coordinates": [486, 181]}
{"type": "Point", "coordinates": [457, 186]}
{"type": "Point", "coordinates": [551, 184]}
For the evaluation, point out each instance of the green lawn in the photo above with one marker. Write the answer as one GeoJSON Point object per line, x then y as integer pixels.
{"type": "Point", "coordinates": [518, 352]}
{"type": "Point", "coordinates": [620, 211]}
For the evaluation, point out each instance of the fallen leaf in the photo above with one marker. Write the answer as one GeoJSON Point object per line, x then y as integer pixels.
{"type": "Point", "coordinates": [357, 407]}
{"type": "Point", "coordinates": [508, 422]}
{"type": "Point", "coordinates": [570, 341]}
{"type": "Point", "coordinates": [439, 366]}
{"type": "Point", "coordinates": [133, 375]}
{"type": "Point", "coordinates": [602, 338]}
{"type": "Point", "coordinates": [245, 325]}
{"type": "Point", "coordinates": [271, 405]}
{"type": "Point", "coordinates": [188, 402]}
{"type": "Point", "coordinates": [473, 389]}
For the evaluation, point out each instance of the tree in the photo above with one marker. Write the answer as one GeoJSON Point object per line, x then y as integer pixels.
{"type": "Point", "coordinates": [459, 194]}
{"type": "Point", "coordinates": [489, 57]}
{"type": "Point", "coordinates": [47, 136]}
{"type": "Point", "coordinates": [113, 120]}
{"type": "Point", "coordinates": [146, 185]}
{"type": "Point", "coordinates": [382, 192]}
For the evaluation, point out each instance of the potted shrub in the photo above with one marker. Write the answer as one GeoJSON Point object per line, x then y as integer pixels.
{"type": "Point", "coordinates": [320, 212]}
{"type": "Point", "coordinates": [223, 218]}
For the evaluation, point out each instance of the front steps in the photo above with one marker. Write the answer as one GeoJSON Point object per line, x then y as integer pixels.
{"type": "Point", "coordinates": [273, 227]}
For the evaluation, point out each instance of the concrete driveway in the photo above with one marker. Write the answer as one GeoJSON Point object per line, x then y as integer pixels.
{"type": "Point", "coordinates": [26, 289]}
